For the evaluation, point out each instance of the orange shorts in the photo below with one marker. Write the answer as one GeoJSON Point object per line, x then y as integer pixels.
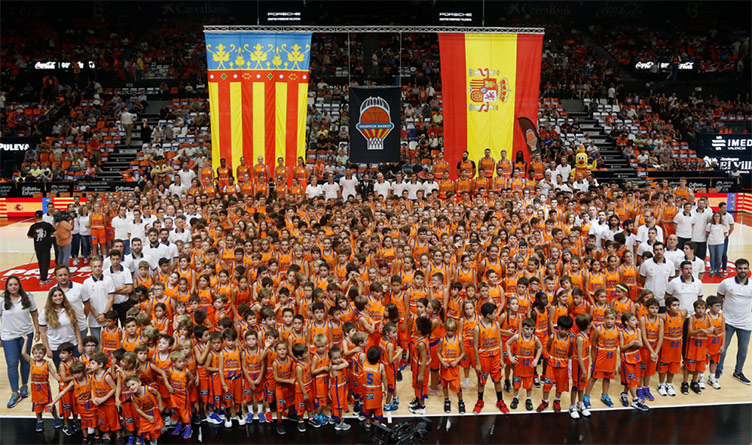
{"type": "Point", "coordinates": [558, 377]}
{"type": "Point", "coordinates": [391, 377]}
{"type": "Point", "coordinates": [67, 403]}
{"type": "Point", "coordinates": [88, 414]}
{"type": "Point", "coordinates": [108, 418]}
{"type": "Point", "coordinates": [647, 367]}
{"type": "Point", "coordinates": [285, 397]}
{"type": "Point", "coordinates": [490, 365]}
{"type": "Point", "coordinates": [215, 392]}
{"type": "Point", "coordinates": [714, 358]}
{"type": "Point", "coordinates": [301, 405]}
{"type": "Point", "coordinates": [98, 236]}
{"type": "Point", "coordinates": [629, 376]}
{"type": "Point", "coordinates": [695, 365]}
{"type": "Point", "coordinates": [670, 367]}
{"type": "Point", "coordinates": [234, 394]}
{"type": "Point", "coordinates": [610, 375]}
{"type": "Point", "coordinates": [522, 382]}
{"type": "Point", "coordinates": [374, 413]}
{"type": "Point", "coordinates": [452, 384]}
{"type": "Point", "coordinates": [40, 396]}
{"type": "Point", "coordinates": [256, 393]}
{"type": "Point", "coordinates": [579, 377]}
{"type": "Point", "coordinates": [469, 360]}
{"type": "Point", "coordinates": [204, 383]}
{"type": "Point", "coordinates": [338, 394]}
{"type": "Point", "coordinates": [181, 404]}
{"type": "Point", "coordinates": [128, 413]}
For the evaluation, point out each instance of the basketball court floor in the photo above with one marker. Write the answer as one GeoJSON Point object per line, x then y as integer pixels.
{"type": "Point", "coordinates": [719, 416]}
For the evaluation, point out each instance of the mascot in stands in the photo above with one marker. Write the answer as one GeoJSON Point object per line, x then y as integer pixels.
{"type": "Point", "coordinates": [582, 165]}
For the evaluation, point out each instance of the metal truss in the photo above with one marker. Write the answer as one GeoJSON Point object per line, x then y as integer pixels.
{"type": "Point", "coordinates": [372, 29]}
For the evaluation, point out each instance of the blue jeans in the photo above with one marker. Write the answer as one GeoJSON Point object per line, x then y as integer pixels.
{"type": "Point", "coordinates": [13, 359]}
{"type": "Point", "coordinates": [742, 344]}
{"type": "Point", "coordinates": [65, 254]}
{"type": "Point", "coordinates": [96, 332]}
{"type": "Point", "coordinates": [76, 246]}
{"type": "Point", "coordinates": [716, 254]}
{"type": "Point", "coordinates": [85, 246]}
{"type": "Point", "coordinates": [724, 257]}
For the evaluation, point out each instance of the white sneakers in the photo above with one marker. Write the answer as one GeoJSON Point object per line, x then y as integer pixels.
{"type": "Point", "coordinates": [584, 411]}
{"type": "Point", "coordinates": [670, 389]}
{"type": "Point", "coordinates": [662, 389]}
{"type": "Point", "coordinates": [701, 381]}
{"type": "Point", "coordinates": [466, 383]}
{"type": "Point", "coordinates": [713, 382]}
{"type": "Point", "coordinates": [573, 412]}
{"type": "Point", "coordinates": [241, 420]}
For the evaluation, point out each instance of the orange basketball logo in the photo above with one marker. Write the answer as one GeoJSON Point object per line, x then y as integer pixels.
{"type": "Point", "coordinates": [375, 122]}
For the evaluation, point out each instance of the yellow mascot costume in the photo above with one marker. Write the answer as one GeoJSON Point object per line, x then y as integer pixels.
{"type": "Point", "coordinates": [581, 165]}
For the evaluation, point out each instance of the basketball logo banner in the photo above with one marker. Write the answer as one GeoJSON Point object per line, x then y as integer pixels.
{"type": "Point", "coordinates": [374, 124]}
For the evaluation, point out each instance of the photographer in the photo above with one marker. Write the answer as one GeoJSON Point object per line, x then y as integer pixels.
{"type": "Point", "coordinates": [64, 236]}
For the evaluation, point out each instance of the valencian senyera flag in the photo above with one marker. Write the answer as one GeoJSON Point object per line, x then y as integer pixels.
{"type": "Point", "coordinates": [490, 82]}
{"type": "Point", "coordinates": [258, 95]}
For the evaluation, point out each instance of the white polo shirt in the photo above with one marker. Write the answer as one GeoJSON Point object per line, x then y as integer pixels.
{"type": "Point", "coordinates": [61, 334]}
{"type": "Point", "coordinates": [737, 302]}
{"type": "Point", "coordinates": [699, 224]}
{"type": "Point", "coordinates": [120, 278]}
{"type": "Point", "coordinates": [686, 291]}
{"type": "Point", "coordinates": [97, 291]}
{"type": "Point", "coordinates": [698, 265]}
{"type": "Point", "coordinates": [683, 225]}
{"type": "Point", "coordinates": [121, 227]}
{"type": "Point", "coordinates": [382, 188]}
{"type": "Point", "coordinates": [156, 252]}
{"type": "Point", "coordinates": [74, 294]}
{"type": "Point", "coordinates": [314, 191]}
{"type": "Point", "coordinates": [657, 276]}
{"type": "Point", "coordinates": [330, 190]}
{"type": "Point", "coordinates": [133, 262]}
{"type": "Point", "coordinates": [184, 236]}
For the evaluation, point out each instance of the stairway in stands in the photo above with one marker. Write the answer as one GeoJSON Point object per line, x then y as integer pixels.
{"type": "Point", "coordinates": [120, 160]}
{"type": "Point", "coordinates": [617, 164]}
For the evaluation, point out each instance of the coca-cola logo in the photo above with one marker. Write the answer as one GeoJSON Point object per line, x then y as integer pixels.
{"type": "Point", "coordinates": [625, 11]}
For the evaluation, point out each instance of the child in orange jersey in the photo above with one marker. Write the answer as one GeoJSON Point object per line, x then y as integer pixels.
{"type": "Point", "coordinates": [284, 379]}
{"type": "Point", "coordinates": [103, 397]}
{"type": "Point", "coordinates": [540, 313]}
{"type": "Point", "coordinates": [215, 394]}
{"type": "Point", "coordinates": [651, 331]}
{"type": "Point", "coordinates": [123, 399]}
{"type": "Point", "coordinates": [374, 386]}
{"type": "Point", "coordinates": [67, 402]}
{"type": "Point", "coordinates": [231, 377]}
{"type": "Point", "coordinates": [354, 346]}
{"type": "Point", "coordinates": [510, 322]}
{"type": "Point", "coordinates": [390, 355]}
{"type": "Point", "coordinates": [112, 335]}
{"type": "Point", "coordinates": [147, 403]}
{"type": "Point", "coordinates": [560, 351]}
{"type": "Point", "coordinates": [699, 329]}
{"type": "Point", "coordinates": [605, 341]}
{"type": "Point", "coordinates": [450, 353]}
{"type": "Point", "coordinates": [303, 386]}
{"type": "Point", "coordinates": [630, 343]}
{"type": "Point", "coordinates": [435, 313]}
{"type": "Point", "coordinates": [253, 372]}
{"type": "Point", "coordinates": [181, 379]}
{"type": "Point", "coordinates": [622, 303]}
{"type": "Point", "coordinates": [598, 309]}
{"type": "Point", "coordinates": [40, 371]}
{"type": "Point", "coordinates": [420, 365]}
{"type": "Point", "coordinates": [669, 362]}
{"type": "Point", "coordinates": [320, 372]}
{"type": "Point", "coordinates": [580, 366]}
{"type": "Point", "coordinates": [338, 387]}
{"type": "Point", "coordinates": [524, 350]}
{"type": "Point", "coordinates": [131, 338]}
{"type": "Point", "coordinates": [468, 321]}
{"type": "Point", "coordinates": [80, 386]}
{"type": "Point", "coordinates": [488, 355]}
{"type": "Point", "coordinates": [716, 340]}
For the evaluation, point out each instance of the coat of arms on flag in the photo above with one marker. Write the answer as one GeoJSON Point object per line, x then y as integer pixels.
{"type": "Point", "coordinates": [486, 89]}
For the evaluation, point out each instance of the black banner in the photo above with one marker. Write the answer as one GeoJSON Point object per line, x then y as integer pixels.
{"type": "Point", "coordinates": [12, 153]}
{"type": "Point", "coordinates": [729, 150]}
{"type": "Point", "coordinates": [51, 189]}
{"type": "Point", "coordinates": [375, 124]}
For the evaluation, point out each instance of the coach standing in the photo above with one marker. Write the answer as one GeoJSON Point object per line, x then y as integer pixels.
{"type": "Point", "coordinates": [41, 232]}
{"type": "Point", "coordinates": [655, 274]}
{"type": "Point", "coordinates": [736, 293]}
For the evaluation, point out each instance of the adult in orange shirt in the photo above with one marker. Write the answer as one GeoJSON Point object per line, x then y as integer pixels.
{"type": "Point", "coordinates": [486, 164]}
{"type": "Point", "coordinates": [64, 239]}
{"type": "Point", "coordinates": [505, 164]}
{"type": "Point", "coordinates": [223, 173]}
{"type": "Point", "coordinates": [242, 169]}
{"type": "Point", "coordinates": [260, 171]}
{"type": "Point", "coordinates": [280, 171]}
{"type": "Point", "coordinates": [466, 165]}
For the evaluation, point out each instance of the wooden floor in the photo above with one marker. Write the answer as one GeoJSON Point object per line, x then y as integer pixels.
{"type": "Point", "coordinates": [16, 249]}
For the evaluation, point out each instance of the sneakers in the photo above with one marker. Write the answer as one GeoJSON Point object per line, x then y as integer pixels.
{"type": "Point", "coordinates": [301, 426]}
{"type": "Point", "coordinates": [214, 419]}
{"type": "Point", "coordinates": [419, 409]}
{"type": "Point", "coordinates": [639, 406]}
{"type": "Point", "coordinates": [478, 407]}
{"type": "Point", "coordinates": [640, 393]}
{"type": "Point", "coordinates": [529, 405]}
{"type": "Point", "coordinates": [624, 399]}
{"type": "Point", "coordinates": [187, 432]}
{"type": "Point", "coordinates": [536, 382]}
{"type": "Point", "coordinates": [342, 426]}
{"type": "Point", "coordinates": [662, 390]}
{"type": "Point", "coordinates": [557, 406]}
{"type": "Point", "coordinates": [40, 426]}
{"type": "Point", "coordinates": [507, 385]}
{"type": "Point", "coordinates": [502, 407]}
{"type": "Point", "coordinates": [24, 391]}
{"type": "Point", "coordinates": [515, 403]}
{"type": "Point", "coordinates": [131, 440]}
{"type": "Point", "coordinates": [58, 421]}
{"type": "Point", "coordinates": [178, 429]}
{"type": "Point", "coordinates": [249, 418]}
{"type": "Point", "coordinates": [241, 420]}
{"type": "Point", "coordinates": [685, 388]}
{"type": "Point", "coordinates": [466, 383]}
{"type": "Point", "coordinates": [69, 431]}
{"type": "Point", "coordinates": [461, 407]}
{"type": "Point", "coordinates": [14, 399]}
{"type": "Point", "coordinates": [714, 382]}
{"type": "Point", "coordinates": [586, 401]}
{"type": "Point", "coordinates": [281, 429]}
{"type": "Point", "coordinates": [542, 407]}
{"type": "Point", "coordinates": [701, 381]}
{"type": "Point", "coordinates": [447, 406]}
{"type": "Point", "coordinates": [318, 421]}
{"type": "Point", "coordinates": [606, 399]}
{"type": "Point", "coordinates": [670, 390]}
{"type": "Point", "coordinates": [395, 402]}
{"type": "Point", "coordinates": [412, 404]}
{"type": "Point", "coordinates": [584, 409]}
{"type": "Point", "coordinates": [695, 387]}
{"type": "Point", "coordinates": [228, 422]}
{"type": "Point", "coordinates": [740, 376]}
{"type": "Point", "coordinates": [573, 412]}
{"type": "Point", "coordinates": [390, 407]}
{"type": "Point", "coordinates": [267, 417]}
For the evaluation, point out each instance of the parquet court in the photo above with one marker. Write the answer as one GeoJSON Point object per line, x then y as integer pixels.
{"type": "Point", "coordinates": [16, 249]}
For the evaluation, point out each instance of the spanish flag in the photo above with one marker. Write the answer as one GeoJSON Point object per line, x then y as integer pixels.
{"type": "Point", "coordinates": [258, 95]}
{"type": "Point", "coordinates": [489, 81]}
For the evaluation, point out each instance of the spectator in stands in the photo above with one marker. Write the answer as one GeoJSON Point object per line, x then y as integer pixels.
{"type": "Point", "coordinates": [126, 120]}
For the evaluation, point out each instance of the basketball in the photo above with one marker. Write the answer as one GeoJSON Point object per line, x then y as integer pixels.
{"type": "Point", "coordinates": [375, 115]}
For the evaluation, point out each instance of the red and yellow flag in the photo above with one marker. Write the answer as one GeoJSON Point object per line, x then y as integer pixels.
{"type": "Point", "coordinates": [258, 96]}
{"type": "Point", "coordinates": [489, 81]}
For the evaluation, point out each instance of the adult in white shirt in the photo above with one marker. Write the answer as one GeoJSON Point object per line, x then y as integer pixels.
{"type": "Point", "coordinates": [564, 169]}
{"type": "Point", "coordinates": [180, 233]}
{"type": "Point", "coordinates": [736, 293]}
{"type": "Point", "coordinates": [177, 188]}
{"type": "Point", "coordinates": [186, 176]}
{"type": "Point", "coordinates": [413, 187]}
{"type": "Point", "coordinates": [655, 274]}
{"type": "Point", "coordinates": [120, 225]}
{"type": "Point", "coordinates": [58, 325]}
{"type": "Point", "coordinates": [642, 231]}
{"type": "Point", "coordinates": [647, 246]}
{"type": "Point", "coordinates": [382, 187]}
{"type": "Point", "coordinates": [716, 232]}
{"type": "Point", "coordinates": [100, 292]}
{"type": "Point", "coordinates": [153, 248]}
{"type": "Point", "coordinates": [126, 120]}
{"type": "Point", "coordinates": [673, 253]}
{"type": "Point", "coordinates": [685, 287]}
{"type": "Point", "coordinates": [171, 249]}
{"type": "Point", "coordinates": [430, 185]}
{"type": "Point", "coordinates": [331, 188]}
{"type": "Point", "coordinates": [728, 220]}
{"type": "Point", "coordinates": [700, 218]}
{"type": "Point", "coordinates": [398, 186]}
{"type": "Point", "coordinates": [598, 228]}
{"type": "Point", "coordinates": [683, 221]}
{"type": "Point", "coordinates": [74, 294]}
{"type": "Point", "coordinates": [137, 255]}
{"type": "Point", "coordinates": [20, 322]}
{"type": "Point", "coordinates": [314, 189]}
{"type": "Point", "coordinates": [122, 283]}
{"type": "Point", "coordinates": [137, 227]}
{"type": "Point", "coordinates": [348, 184]}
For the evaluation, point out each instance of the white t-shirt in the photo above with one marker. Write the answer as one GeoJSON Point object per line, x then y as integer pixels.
{"type": "Point", "coordinates": [716, 233]}
{"type": "Point", "coordinates": [686, 291]}
{"type": "Point", "coordinates": [642, 233]}
{"type": "Point", "coordinates": [137, 230]}
{"type": "Point", "coordinates": [348, 186]}
{"type": "Point", "coordinates": [412, 189]}
{"type": "Point", "coordinates": [61, 334]}
{"type": "Point", "coordinates": [382, 188]}
{"type": "Point", "coordinates": [737, 302]}
{"type": "Point", "coordinates": [120, 278]}
{"type": "Point", "coordinates": [330, 190]}
{"type": "Point", "coordinates": [683, 225]}
{"type": "Point", "coordinates": [120, 226]}
{"type": "Point", "coordinates": [399, 187]}
{"type": "Point", "coordinates": [699, 223]}
{"type": "Point", "coordinates": [186, 177]}
{"type": "Point", "coordinates": [157, 253]}
{"type": "Point", "coordinates": [430, 187]}
{"type": "Point", "coordinates": [184, 236]}
{"type": "Point", "coordinates": [657, 276]}
{"type": "Point", "coordinates": [97, 292]}
{"type": "Point", "coordinates": [76, 297]}
{"type": "Point", "coordinates": [16, 321]}
{"type": "Point", "coordinates": [314, 191]}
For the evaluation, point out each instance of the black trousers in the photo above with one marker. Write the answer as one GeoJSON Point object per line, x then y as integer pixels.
{"type": "Point", "coordinates": [43, 257]}
{"type": "Point", "coordinates": [122, 309]}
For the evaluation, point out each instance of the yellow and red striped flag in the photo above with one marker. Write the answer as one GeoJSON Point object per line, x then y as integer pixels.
{"type": "Point", "coordinates": [489, 82]}
{"type": "Point", "coordinates": [258, 96]}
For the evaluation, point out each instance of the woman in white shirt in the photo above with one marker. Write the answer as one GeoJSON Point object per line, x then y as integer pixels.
{"type": "Point", "coordinates": [716, 232]}
{"type": "Point", "coordinates": [57, 325]}
{"type": "Point", "coordinates": [19, 322]}
{"type": "Point", "coordinates": [84, 230]}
